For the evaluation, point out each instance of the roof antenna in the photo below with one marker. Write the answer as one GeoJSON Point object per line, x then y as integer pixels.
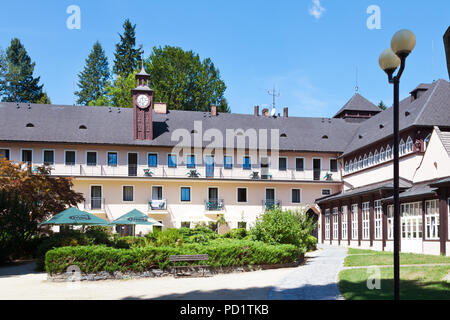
{"type": "Point", "coordinates": [356, 79]}
{"type": "Point", "coordinates": [274, 95]}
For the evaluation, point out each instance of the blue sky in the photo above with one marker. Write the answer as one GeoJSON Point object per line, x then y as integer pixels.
{"type": "Point", "coordinates": [310, 58]}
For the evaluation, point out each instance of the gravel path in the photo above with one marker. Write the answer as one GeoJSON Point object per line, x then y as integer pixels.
{"type": "Point", "coordinates": [316, 279]}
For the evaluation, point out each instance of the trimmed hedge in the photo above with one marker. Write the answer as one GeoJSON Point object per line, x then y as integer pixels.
{"type": "Point", "coordinates": [223, 252]}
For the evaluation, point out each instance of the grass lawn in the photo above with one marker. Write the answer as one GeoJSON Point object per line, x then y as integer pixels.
{"type": "Point", "coordinates": [416, 283]}
{"type": "Point", "coordinates": [358, 257]}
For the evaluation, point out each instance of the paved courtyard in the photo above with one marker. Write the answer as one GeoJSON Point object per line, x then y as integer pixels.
{"type": "Point", "coordinates": [316, 279]}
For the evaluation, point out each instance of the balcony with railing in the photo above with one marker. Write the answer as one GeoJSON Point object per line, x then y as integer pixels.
{"type": "Point", "coordinates": [157, 205]}
{"type": "Point", "coordinates": [182, 172]}
{"type": "Point", "coordinates": [269, 204]}
{"type": "Point", "coordinates": [94, 203]}
{"type": "Point", "coordinates": [214, 205]}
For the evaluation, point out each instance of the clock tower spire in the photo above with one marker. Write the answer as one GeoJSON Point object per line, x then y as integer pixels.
{"type": "Point", "coordinates": [142, 106]}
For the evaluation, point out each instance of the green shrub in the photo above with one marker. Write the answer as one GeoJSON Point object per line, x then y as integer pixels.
{"type": "Point", "coordinates": [221, 252]}
{"type": "Point", "coordinates": [168, 237]}
{"type": "Point", "coordinates": [198, 234]}
{"type": "Point", "coordinates": [310, 243]}
{"type": "Point", "coordinates": [239, 233]}
{"type": "Point", "coordinates": [283, 227]}
{"type": "Point", "coordinates": [99, 234]}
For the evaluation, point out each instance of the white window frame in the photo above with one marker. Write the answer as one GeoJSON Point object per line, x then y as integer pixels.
{"type": "Point", "coordinates": [378, 217]}
{"type": "Point", "coordinates": [96, 158]}
{"type": "Point", "coordinates": [365, 161]}
{"type": "Point", "coordinates": [360, 163]}
{"type": "Point", "coordinates": [355, 164]}
{"type": "Point", "coordinates": [411, 220]}
{"type": "Point", "coordinates": [128, 201]}
{"type": "Point", "coordinates": [337, 164]}
{"type": "Point", "coordinates": [346, 167]}
{"type": "Point", "coordinates": [432, 214]}
{"type": "Point", "coordinates": [237, 195]}
{"type": "Point", "coordinates": [409, 145]}
{"type": "Point", "coordinates": [344, 223]}
{"type": "Point", "coordinates": [401, 147]}
{"type": "Point", "coordinates": [327, 224]}
{"type": "Point", "coordinates": [300, 191]}
{"type": "Point", "coordinates": [107, 162]}
{"type": "Point", "coordinates": [365, 210]}
{"type": "Point", "coordinates": [304, 164]}
{"type": "Point", "coordinates": [335, 213]}
{"type": "Point", "coordinates": [157, 159]}
{"type": "Point", "coordinates": [287, 163]}
{"type": "Point", "coordinates": [21, 154]}
{"type": "Point", "coordinates": [157, 186]}
{"type": "Point", "coordinates": [382, 155]}
{"type": "Point", "coordinates": [354, 215]}
{"type": "Point", "coordinates": [376, 157]}
{"type": "Point", "coordinates": [65, 162]}
{"type": "Point", "coordinates": [388, 152]}
{"type": "Point", "coordinates": [370, 159]}
{"type": "Point", "coordinates": [54, 156]}
{"type": "Point", "coordinates": [390, 222]}
{"type": "Point", "coordinates": [190, 194]}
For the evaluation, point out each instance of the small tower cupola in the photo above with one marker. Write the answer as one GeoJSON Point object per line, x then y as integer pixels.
{"type": "Point", "coordinates": [142, 107]}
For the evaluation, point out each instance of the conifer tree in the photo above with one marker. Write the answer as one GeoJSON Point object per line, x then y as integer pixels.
{"type": "Point", "coordinates": [18, 84]}
{"type": "Point", "coordinates": [94, 78]}
{"type": "Point", "coordinates": [127, 57]}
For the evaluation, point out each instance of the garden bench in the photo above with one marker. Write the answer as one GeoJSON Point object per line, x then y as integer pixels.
{"type": "Point", "coordinates": [187, 257]}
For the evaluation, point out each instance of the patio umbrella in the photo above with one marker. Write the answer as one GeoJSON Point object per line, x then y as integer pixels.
{"type": "Point", "coordinates": [135, 217]}
{"type": "Point", "coordinates": [74, 216]}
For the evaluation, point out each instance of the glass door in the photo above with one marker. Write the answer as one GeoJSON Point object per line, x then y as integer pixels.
{"type": "Point", "coordinates": [132, 164]}
{"type": "Point", "coordinates": [317, 165]}
{"type": "Point", "coordinates": [270, 198]}
{"type": "Point", "coordinates": [209, 164]}
{"type": "Point", "coordinates": [213, 199]}
{"type": "Point", "coordinates": [96, 197]}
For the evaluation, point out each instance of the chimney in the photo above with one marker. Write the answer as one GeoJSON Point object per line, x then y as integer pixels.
{"type": "Point", "coordinates": [256, 111]}
{"type": "Point", "coordinates": [213, 110]}
{"type": "Point", "coordinates": [265, 112]}
{"type": "Point", "coordinates": [160, 107]}
{"type": "Point", "coordinates": [285, 112]}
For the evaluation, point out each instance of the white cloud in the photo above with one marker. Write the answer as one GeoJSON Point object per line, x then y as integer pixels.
{"type": "Point", "coordinates": [316, 10]}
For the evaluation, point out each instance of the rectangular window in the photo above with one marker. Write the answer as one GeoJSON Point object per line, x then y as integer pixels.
{"type": "Point", "coordinates": [411, 220]}
{"type": "Point", "coordinates": [228, 162]}
{"type": "Point", "coordinates": [152, 160]}
{"type": "Point", "coordinates": [242, 225]}
{"type": "Point", "coordinates": [185, 194]}
{"type": "Point", "coordinates": [282, 164]}
{"type": "Point", "coordinates": [186, 224]}
{"type": "Point", "coordinates": [390, 222]}
{"type": "Point", "coordinates": [432, 219]}
{"type": "Point", "coordinates": [344, 223]}
{"type": "Point", "coordinates": [190, 161]}
{"type": "Point", "coordinates": [335, 224]}
{"type": "Point", "coordinates": [366, 220]}
{"type": "Point", "coordinates": [27, 156]}
{"type": "Point", "coordinates": [91, 158]}
{"type": "Point", "coordinates": [241, 194]}
{"type": "Point", "coordinates": [4, 153]}
{"type": "Point", "coordinates": [333, 165]}
{"type": "Point", "coordinates": [327, 224]}
{"type": "Point", "coordinates": [70, 158]}
{"type": "Point", "coordinates": [112, 159]}
{"type": "Point", "coordinates": [296, 196]}
{"type": "Point", "coordinates": [49, 157]}
{"type": "Point", "coordinates": [378, 210]}
{"type": "Point", "coordinates": [299, 164]}
{"type": "Point", "coordinates": [246, 164]}
{"type": "Point", "coordinates": [127, 193]}
{"type": "Point", "coordinates": [172, 160]}
{"type": "Point", "coordinates": [355, 221]}
{"type": "Point", "coordinates": [326, 192]}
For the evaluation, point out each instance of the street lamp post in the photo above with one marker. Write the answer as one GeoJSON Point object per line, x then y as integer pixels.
{"type": "Point", "coordinates": [402, 43]}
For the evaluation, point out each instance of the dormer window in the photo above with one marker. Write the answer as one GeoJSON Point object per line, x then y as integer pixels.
{"type": "Point", "coordinates": [325, 137]}
{"type": "Point", "coordinates": [365, 163]}
{"type": "Point", "coordinates": [360, 163]}
{"type": "Point", "coordinates": [346, 166]}
{"type": "Point", "coordinates": [283, 135]}
{"type": "Point", "coordinates": [376, 157]}
{"type": "Point", "coordinates": [82, 127]}
{"type": "Point", "coordinates": [382, 155]}
{"type": "Point", "coordinates": [370, 159]}
{"type": "Point", "coordinates": [388, 152]}
{"type": "Point", "coordinates": [381, 126]}
{"type": "Point", "coordinates": [30, 125]}
{"type": "Point", "coordinates": [427, 140]}
{"type": "Point", "coordinates": [350, 166]}
{"type": "Point", "coordinates": [409, 145]}
{"type": "Point", "coordinates": [401, 147]}
{"type": "Point", "coordinates": [355, 164]}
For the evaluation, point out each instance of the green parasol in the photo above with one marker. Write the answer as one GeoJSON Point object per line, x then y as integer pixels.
{"type": "Point", "coordinates": [135, 217]}
{"type": "Point", "coordinates": [74, 216]}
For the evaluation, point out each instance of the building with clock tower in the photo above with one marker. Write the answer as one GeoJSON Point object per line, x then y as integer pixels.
{"type": "Point", "coordinates": [142, 107]}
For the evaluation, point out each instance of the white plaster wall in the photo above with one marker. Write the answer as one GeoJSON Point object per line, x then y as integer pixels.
{"type": "Point", "coordinates": [431, 247]}
{"type": "Point", "coordinates": [435, 163]}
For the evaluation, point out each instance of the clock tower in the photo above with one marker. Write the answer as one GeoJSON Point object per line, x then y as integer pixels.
{"type": "Point", "coordinates": [142, 107]}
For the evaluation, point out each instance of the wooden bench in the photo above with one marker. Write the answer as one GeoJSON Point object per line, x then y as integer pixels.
{"type": "Point", "coordinates": [187, 258]}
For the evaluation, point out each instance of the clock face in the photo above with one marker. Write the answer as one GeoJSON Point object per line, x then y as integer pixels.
{"type": "Point", "coordinates": [143, 101]}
